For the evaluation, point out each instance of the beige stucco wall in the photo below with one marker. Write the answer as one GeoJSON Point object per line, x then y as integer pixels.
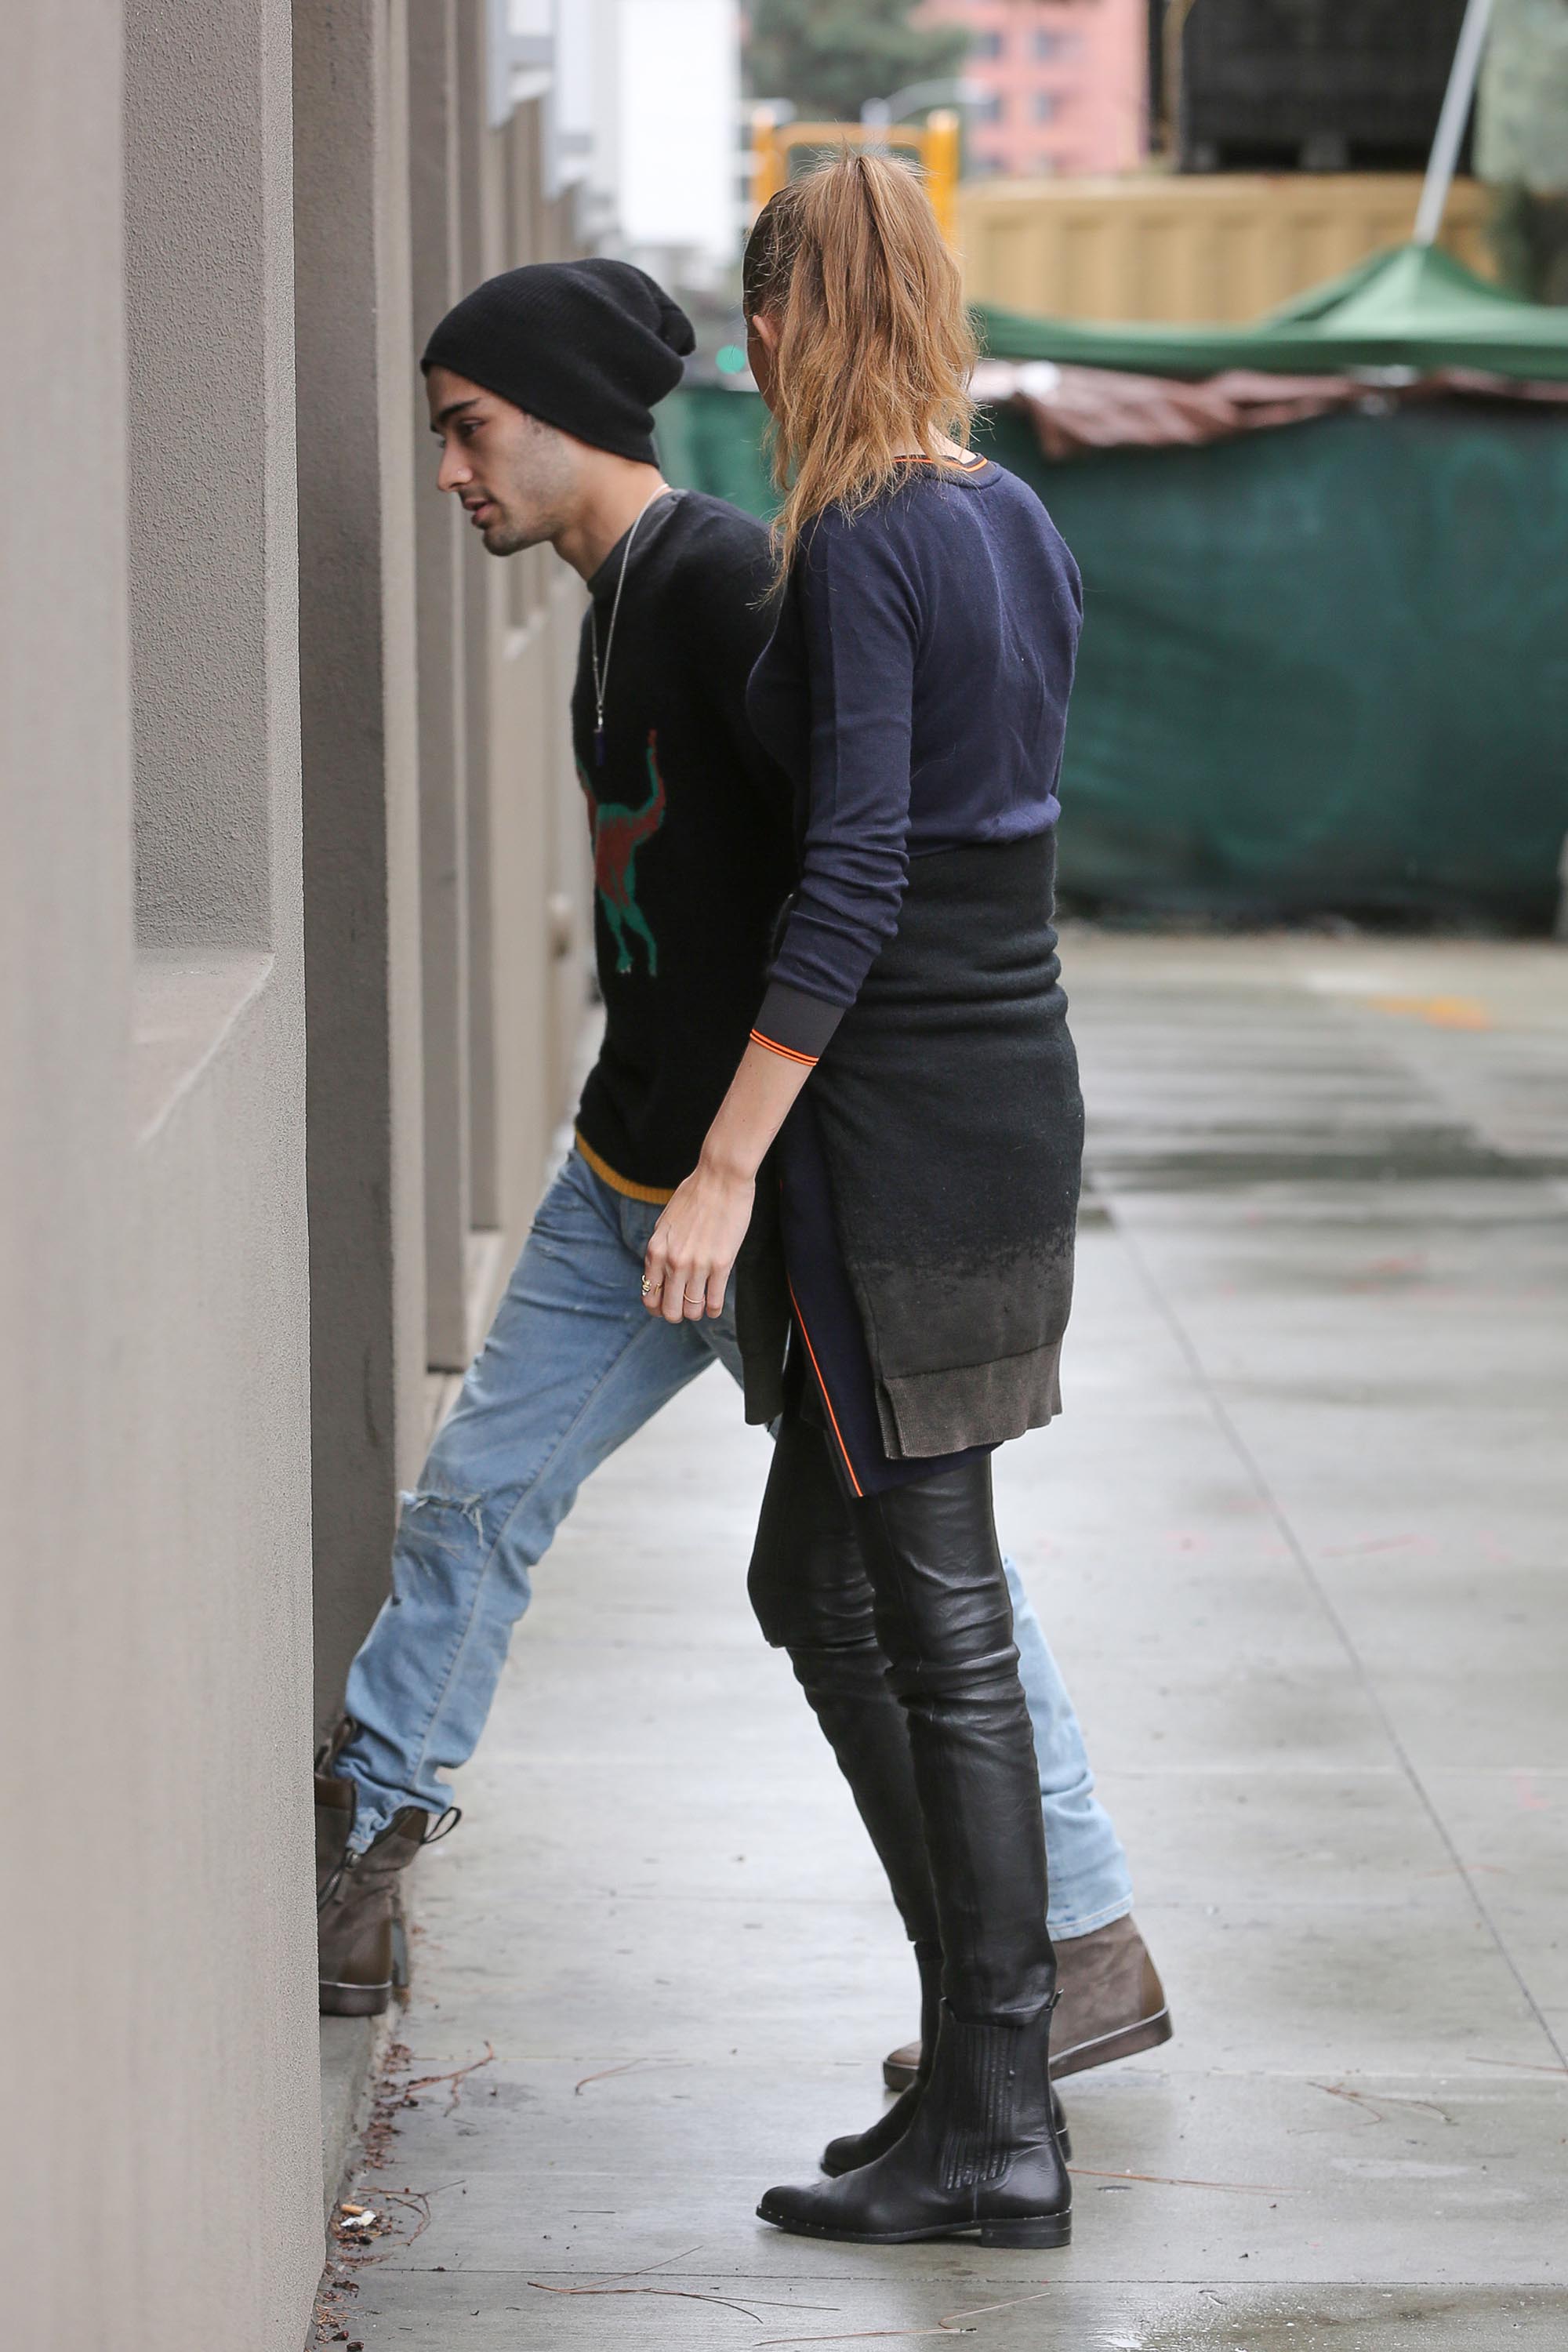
{"type": "Point", "coordinates": [435, 99]}
{"type": "Point", "coordinates": [445, 867]}
{"type": "Point", "coordinates": [159, 2160]}
{"type": "Point", "coordinates": [360, 722]}
{"type": "Point", "coordinates": [531, 890]}
{"type": "Point", "coordinates": [274, 747]}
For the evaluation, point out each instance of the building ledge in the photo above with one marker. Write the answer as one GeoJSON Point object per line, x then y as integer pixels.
{"type": "Point", "coordinates": [349, 2046]}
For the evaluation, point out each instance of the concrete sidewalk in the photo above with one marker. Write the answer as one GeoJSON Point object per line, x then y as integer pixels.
{"type": "Point", "coordinates": [1298, 1543]}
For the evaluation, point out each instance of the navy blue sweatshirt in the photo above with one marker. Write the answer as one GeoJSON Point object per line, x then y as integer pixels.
{"type": "Point", "coordinates": [915, 690]}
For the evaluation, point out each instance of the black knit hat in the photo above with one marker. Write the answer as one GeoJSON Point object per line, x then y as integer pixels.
{"type": "Point", "coordinates": [585, 345]}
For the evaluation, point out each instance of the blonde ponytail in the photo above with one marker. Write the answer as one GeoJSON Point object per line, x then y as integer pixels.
{"type": "Point", "coordinates": [874, 347]}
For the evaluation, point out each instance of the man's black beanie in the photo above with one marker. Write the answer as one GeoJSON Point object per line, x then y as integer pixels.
{"type": "Point", "coordinates": [586, 345]}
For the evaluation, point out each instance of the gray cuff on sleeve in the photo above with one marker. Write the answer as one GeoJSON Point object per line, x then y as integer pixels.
{"type": "Point", "coordinates": [795, 1023]}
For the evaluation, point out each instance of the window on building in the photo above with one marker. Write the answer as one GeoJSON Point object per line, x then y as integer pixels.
{"type": "Point", "coordinates": [1053, 47]}
{"type": "Point", "coordinates": [1047, 105]}
{"type": "Point", "coordinates": [986, 44]}
{"type": "Point", "coordinates": [988, 110]}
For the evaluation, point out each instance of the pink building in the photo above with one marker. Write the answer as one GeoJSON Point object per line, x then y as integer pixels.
{"type": "Point", "coordinates": [1065, 80]}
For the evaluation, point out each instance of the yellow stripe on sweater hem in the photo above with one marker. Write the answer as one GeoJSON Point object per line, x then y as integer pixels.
{"type": "Point", "coordinates": [622, 1184]}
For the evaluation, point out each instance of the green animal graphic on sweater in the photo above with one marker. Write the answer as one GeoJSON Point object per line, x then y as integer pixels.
{"type": "Point", "coordinates": [618, 833]}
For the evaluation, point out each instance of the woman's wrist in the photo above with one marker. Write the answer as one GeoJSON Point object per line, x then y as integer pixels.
{"type": "Point", "coordinates": [723, 1163]}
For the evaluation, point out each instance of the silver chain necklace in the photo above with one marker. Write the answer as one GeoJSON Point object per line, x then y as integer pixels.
{"type": "Point", "coordinates": [602, 674]}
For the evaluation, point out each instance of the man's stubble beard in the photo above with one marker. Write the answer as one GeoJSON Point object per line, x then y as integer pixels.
{"type": "Point", "coordinates": [509, 536]}
{"type": "Point", "coordinates": [506, 538]}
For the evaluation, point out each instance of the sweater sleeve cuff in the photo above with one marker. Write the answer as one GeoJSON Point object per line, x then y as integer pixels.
{"type": "Point", "coordinates": [794, 1024]}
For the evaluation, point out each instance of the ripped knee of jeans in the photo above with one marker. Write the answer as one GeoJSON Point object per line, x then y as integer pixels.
{"type": "Point", "coordinates": [428, 1502]}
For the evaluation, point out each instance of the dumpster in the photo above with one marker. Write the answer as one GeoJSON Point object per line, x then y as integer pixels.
{"type": "Point", "coordinates": [1325, 664]}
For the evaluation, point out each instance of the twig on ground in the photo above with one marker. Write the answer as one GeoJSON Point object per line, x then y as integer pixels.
{"type": "Point", "coordinates": [456, 2076]}
{"type": "Point", "coordinates": [863, 2336]}
{"type": "Point", "coordinates": [628, 2066]}
{"type": "Point", "coordinates": [419, 2201]}
{"type": "Point", "coordinates": [1390, 2098]}
{"type": "Point", "coordinates": [1358, 2098]}
{"type": "Point", "coordinates": [1521, 2066]}
{"type": "Point", "coordinates": [678, 2293]}
{"type": "Point", "coordinates": [686, 2294]}
{"type": "Point", "coordinates": [947, 2326]}
{"type": "Point", "coordinates": [663, 2263]}
{"type": "Point", "coordinates": [1174, 2180]}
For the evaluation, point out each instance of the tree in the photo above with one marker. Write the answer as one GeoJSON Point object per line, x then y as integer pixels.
{"type": "Point", "coordinates": [828, 57]}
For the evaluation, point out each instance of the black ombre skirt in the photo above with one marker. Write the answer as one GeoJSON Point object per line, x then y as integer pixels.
{"type": "Point", "coordinates": [834, 1367]}
{"type": "Point", "coordinates": [935, 1178]}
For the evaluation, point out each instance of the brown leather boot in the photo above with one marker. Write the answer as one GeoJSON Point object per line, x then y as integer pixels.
{"type": "Point", "coordinates": [1109, 2004]}
{"type": "Point", "coordinates": [362, 1954]}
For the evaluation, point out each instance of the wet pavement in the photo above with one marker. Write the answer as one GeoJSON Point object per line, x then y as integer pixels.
{"type": "Point", "coordinates": [1299, 1542]}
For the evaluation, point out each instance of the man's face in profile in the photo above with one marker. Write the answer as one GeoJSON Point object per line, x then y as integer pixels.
{"type": "Point", "coordinates": [514, 473]}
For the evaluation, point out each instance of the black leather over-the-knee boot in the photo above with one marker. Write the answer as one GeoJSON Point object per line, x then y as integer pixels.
{"type": "Point", "coordinates": [813, 1598]}
{"type": "Point", "coordinates": [981, 2155]}
{"type": "Point", "coordinates": [850, 2150]}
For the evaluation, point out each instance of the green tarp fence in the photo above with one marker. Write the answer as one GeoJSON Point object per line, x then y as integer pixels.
{"type": "Point", "coordinates": [1323, 669]}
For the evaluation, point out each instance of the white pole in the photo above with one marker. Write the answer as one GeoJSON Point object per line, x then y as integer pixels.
{"type": "Point", "coordinates": [1451, 122]}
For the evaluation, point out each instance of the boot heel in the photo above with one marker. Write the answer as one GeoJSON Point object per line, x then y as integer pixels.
{"type": "Point", "coordinates": [1044, 2230]}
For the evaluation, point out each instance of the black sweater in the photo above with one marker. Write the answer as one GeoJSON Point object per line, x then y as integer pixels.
{"type": "Point", "coordinates": [916, 689]}
{"type": "Point", "coordinates": [691, 828]}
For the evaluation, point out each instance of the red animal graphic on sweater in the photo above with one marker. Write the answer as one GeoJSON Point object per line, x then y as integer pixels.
{"type": "Point", "coordinates": [618, 834]}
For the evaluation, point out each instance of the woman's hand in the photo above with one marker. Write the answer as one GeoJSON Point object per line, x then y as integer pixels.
{"type": "Point", "coordinates": [699, 1237]}
{"type": "Point", "coordinates": [696, 1242]}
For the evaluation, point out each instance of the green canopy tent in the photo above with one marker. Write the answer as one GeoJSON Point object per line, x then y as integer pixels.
{"type": "Point", "coordinates": [1324, 666]}
{"type": "Point", "coordinates": [1413, 306]}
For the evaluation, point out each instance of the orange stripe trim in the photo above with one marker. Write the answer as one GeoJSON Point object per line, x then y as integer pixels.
{"type": "Point", "coordinates": [827, 1400]}
{"type": "Point", "coordinates": [786, 1053]}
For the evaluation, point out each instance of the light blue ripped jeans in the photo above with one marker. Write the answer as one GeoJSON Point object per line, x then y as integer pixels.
{"type": "Point", "coordinates": [573, 1366]}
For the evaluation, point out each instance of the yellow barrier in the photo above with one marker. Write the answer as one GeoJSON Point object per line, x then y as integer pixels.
{"type": "Point", "coordinates": [1186, 247]}
{"type": "Point", "coordinates": [934, 145]}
